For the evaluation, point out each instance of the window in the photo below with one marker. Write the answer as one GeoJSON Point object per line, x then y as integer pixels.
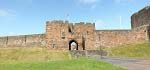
{"type": "Point", "coordinates": [53, 44]}
{"type": "Point", "coordinates": [70, 29]}
{"type": "Point", "coordinates": [63, 35]}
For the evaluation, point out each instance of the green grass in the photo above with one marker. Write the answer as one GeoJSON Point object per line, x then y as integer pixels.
{"type": "Point", "coordinates": [17, 54]}
{"type": "Point", "coordinates": [45, 59]}
{"type": "Point", "coordinates": [141, 50]}
{"type": "Point", "coordinates": [74, 64]}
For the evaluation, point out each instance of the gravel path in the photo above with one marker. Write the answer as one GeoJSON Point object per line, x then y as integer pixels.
{"type": "Point", "coordinates": [128, 63]}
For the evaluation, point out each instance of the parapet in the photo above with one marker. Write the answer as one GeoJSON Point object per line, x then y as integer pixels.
{"type": "Point", "coordinates": [55, 21]}
{"type": "Point", "coordinates": [86, 24]}
{"type": "Point", "coordinates": [80, 23]}
{"type": "Point", "coordinates": [146, 8]}
{"type": "Point", "coordinates": [67, 22]}
{"type": "Point", "coordinates": [33, 40]}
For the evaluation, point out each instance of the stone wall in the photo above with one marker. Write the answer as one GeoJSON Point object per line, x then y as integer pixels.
{"type": "Point", "coordinates": [88, 53]}
{"type": "Point", "coordinates": [54, 37]}
{"type": "Point", "coordinates": [59, 34]}
{"type": "Point", "coordinates": [110, 38]}
{"type": "Point", "coordinates": [23, 41]}
{"type": "Point", "coordinates": [85, 35]}
{"type": "Point", "coordinates": [141, 18]}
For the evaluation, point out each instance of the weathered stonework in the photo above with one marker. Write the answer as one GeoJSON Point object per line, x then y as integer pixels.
{"type": "Point", "coordinates": [61, 35]}
{"type": "Point", "coordinates": [141, 18]}
{"type": "Point", "coordinates": [111, 38]}
{"type": "Point", "coordinates": [23, 41]}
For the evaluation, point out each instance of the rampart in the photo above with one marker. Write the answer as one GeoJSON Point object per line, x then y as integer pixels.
{"type": "Point", "coordinates": [110, 38]}
{"type": "Point", "coordinates": [37, 40]}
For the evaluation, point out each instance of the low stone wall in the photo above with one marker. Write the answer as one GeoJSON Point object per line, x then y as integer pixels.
{"type": "Point", "coordinates": [23, 40]}
{"type": "Point", "coordinates": [88, 53]}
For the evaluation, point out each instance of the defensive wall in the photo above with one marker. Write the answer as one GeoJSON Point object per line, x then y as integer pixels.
{"type": "Point", "coordinates": [111, 38]}
{"type": "Point", "coordinates": [23, 41]}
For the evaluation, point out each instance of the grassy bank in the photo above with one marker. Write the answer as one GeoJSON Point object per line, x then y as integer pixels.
{"type": "Point", "coordinates": [44, 59]}
{"type": "Point", "coordinates": [141, 50]}
{"type": "Point", "coordinates": [37, 54]}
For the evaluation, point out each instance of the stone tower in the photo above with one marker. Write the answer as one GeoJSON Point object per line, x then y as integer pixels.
{"type": "Point", "coordinates": [141, 18]}
{"type": "Point", "coordinates": [61, 34]}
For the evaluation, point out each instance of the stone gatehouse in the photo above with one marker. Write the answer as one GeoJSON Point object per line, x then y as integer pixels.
{"type": "Point", "coordinates": [64, 35]}
{"type": "Point", "coordinates": [60, 35]}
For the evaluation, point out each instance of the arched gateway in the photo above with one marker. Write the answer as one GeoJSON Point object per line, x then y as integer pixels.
{"type": "Point", "coordinates": [70, 36]}
{"type": "Point", "coordinates": [73, 45]}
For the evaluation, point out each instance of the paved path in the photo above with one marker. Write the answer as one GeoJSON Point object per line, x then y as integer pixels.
{"type": "Point", "coordinates": [130, 64]}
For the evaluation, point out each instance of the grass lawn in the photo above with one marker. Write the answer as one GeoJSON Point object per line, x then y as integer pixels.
{"type": "Point", "coordinates": [44, 59]}
{"type": "Point", "coordinates": [141, 50]}
{"type": "Point", "coordinates": [74, 64]}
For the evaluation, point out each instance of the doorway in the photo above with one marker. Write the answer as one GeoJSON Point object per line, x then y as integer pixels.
{"type": "Point", "coordinates": [73, 45]}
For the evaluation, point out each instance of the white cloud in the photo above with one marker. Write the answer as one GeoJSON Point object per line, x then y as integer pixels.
{"type": "Point", "coordinates": [24, 1]}
{"type": "Point", "coordinates": [93, 6]}
{"type": "Point", "coordinates": [88, 1]}
{"type": "Point", "coordinates": [4, 13]}
{"type": "Point", "coordinates": [120, 1]}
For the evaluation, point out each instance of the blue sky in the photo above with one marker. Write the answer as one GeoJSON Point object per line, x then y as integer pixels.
{"type": "Point", "coordinates": [19, 17]}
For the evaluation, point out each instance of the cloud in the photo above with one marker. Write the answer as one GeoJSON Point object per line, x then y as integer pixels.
{"type": "Point", "coordinates": [88, 1]}
{"type": "Point", "coordinates": [93, 6]}
{"type": "Point", "coordinates": [120, 1]}
{"type": "Point", "coordinates": [24, 1]}
{"type": "Point", "coordinates": [5, 13]}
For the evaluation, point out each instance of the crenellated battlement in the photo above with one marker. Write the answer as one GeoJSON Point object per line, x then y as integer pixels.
{"type": "Point", "coordinates": [67, 22]}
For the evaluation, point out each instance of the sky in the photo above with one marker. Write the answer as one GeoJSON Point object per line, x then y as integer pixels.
{"type": "Point", "coordinates": [21, 17]}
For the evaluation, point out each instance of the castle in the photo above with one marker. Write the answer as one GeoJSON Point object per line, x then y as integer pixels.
{"type": "Point", "coordinates": [61, 35]}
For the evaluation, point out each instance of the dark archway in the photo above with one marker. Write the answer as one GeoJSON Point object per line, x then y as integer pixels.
{"type": "Point", "coordinates": [70, 46]}
{"type": "Point", "coordinates": [149, 32]}
{"type": "Point", "coordinates": [83, 43]}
